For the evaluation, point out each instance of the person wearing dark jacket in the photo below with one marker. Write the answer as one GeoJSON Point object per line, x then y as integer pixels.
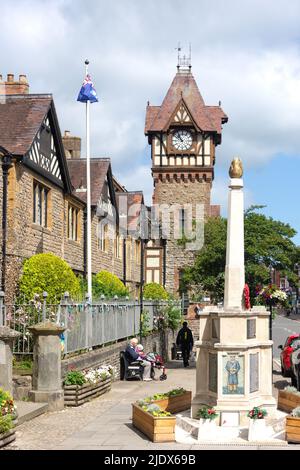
{"type": "Point", "coordinates": [132, 355]}
{"type": "Point", "coordinates": [185, 341]}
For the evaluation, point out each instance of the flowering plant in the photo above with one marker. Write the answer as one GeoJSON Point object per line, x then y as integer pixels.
{"type": "Point", "coordinates": [257, 413]}
{"type": "Point", "coordinates": [93, 376]}
{"type": "Point", "coordinates": [207, 412]}
{"type": "Point", "coordinates": [155, 410]}
{"type": "Point", "coordinates": [247, 297]}
{"type": "Point", "coordinates": [99, 374]}
{"type": "Point", "coordinates": [270, 295]}
{"type": "Point", "coordinates": [7, 406]}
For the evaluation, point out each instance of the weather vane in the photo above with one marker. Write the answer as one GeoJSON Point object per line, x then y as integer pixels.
{"type": "Point", "coordinates": [184, 63]}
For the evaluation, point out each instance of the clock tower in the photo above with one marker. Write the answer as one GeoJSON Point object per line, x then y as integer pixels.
{"type": "Point", "coordinates": [183, 134]}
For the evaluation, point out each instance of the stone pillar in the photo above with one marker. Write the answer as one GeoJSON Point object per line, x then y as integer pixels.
{"type": "Point", "coordinates": [235, 267]}
{"type": "Point", "coordinates": [7, 337]}
{"type": "Point", "coordinates": [46, 379]}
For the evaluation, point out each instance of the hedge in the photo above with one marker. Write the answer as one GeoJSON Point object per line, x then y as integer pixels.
{"type": "Point", "coordinates": [47, 272]}
{"type": "Point", "coordinates": [155, 292]}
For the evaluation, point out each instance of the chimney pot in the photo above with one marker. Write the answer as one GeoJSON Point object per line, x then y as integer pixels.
{"type": "Point", "coordinates": [10, 77]}
{"type": "Point", "coordinates": [23, 79]}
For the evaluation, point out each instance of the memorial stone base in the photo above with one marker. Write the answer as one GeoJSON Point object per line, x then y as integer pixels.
{"type": "Point", "coordinates": [234, 364]}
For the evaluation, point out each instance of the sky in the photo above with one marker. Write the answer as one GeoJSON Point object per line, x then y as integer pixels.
{"type": "Point", "coordinates": [244, 53]}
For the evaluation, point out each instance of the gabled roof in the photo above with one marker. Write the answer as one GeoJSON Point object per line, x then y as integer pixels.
{"type": "Point", "coordinates": [100, 170]}
{"type": "Point", "coordinates": [20, 119]}
{"type": "Point", "coordinates": [184, 88]}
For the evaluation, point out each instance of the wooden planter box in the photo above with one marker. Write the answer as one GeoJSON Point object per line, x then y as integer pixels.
{"type": "Point", "coordinates": [292, 429]}
{"type": "Point", "coordinates": [176, 404]}
{"type": "Point", "coordinates": [7, 437]}
{"type": "Point", "coordinates": [157, 429]}
{"type": "Point", "coordinates": [287, 401]}
{"type": "Point", "coordinates": [76, 395]}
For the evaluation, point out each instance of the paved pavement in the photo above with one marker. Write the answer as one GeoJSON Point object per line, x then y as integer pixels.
{"type": "Point", "coordinates": [105, 423]}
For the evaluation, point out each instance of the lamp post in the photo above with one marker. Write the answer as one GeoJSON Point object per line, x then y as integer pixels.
{"type": "Point", "coordinates": [145, 227]}
{"type": "Point", "coordinates": [297, 268]}
{"type": "Point", "coordinates": [6, 165]}
{"type": "Point", "coordinates": [271, 307]}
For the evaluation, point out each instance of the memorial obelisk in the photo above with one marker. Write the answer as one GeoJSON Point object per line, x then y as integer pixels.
{"type": "Point", "coordinates": [234, 352]}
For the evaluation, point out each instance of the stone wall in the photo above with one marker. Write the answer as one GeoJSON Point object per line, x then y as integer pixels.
{"type": "Point", "coordinates": [161, 342]}
{"type": "Point", "coordinates": [24, 238]}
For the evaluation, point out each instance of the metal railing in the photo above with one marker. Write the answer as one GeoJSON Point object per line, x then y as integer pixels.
{"type": "Point", "coordinates": [87, 325]}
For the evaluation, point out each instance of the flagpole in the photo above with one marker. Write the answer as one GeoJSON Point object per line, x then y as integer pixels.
{"type": "Point", "coordinates": [88, 199]}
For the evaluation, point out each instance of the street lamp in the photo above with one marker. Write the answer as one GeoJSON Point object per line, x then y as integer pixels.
{"type": "Point", "coordinates": [142, 282]}
{"type": "Point", "coordinates": [297, 268]}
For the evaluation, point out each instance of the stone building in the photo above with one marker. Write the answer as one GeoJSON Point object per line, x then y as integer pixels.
{"type": "Point", "coordinates": [45, 198]}
{"type": "Point", "coordinates": [183, 134]}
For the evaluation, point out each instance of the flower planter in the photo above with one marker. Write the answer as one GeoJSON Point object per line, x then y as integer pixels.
{"type": "Point", "coordinates": [257, 430]}
{"type": "Point", "coordinates": [175, 404]}
{"type": "Point", "coordinates": [207, 429]}
{"type": "Point", "coordinates": [292, 429]}
{"type": "Point", "coordinates": [76, 395]}
{"type": "Point", "coordinates": [7, 437]}
{"type": "Point", "coordinates": [158, 429]}
{"type": "Point", "coordinates": [287, 401]}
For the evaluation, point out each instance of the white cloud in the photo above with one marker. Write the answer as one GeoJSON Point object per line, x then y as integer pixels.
{"type": "Point", "coordinates": [244, 53]}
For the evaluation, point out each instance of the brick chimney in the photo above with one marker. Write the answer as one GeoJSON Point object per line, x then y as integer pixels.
{"type": "Point", "coordinates": [72, 145]}
{"type": "Point", "coordinates": [14, 87]}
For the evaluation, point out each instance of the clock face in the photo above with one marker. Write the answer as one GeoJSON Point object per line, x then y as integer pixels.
{"type": "Point", "coordinates": [182, 140]}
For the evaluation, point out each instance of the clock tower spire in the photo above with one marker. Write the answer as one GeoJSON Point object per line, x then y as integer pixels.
{"type": "Point", "coordinates": [183, 134]}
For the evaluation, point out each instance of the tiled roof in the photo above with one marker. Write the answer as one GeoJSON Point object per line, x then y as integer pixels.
{"type": "Point", "coordinates": [20, 119]}
{"type": "Point", "coordinates": [184, 87]}
{"type": "Point", "coordinates": [151, 114]}
{"type": "Point", "coordinates": [134, 200]}
{"type": "Point", "coordinates": [99, 170]}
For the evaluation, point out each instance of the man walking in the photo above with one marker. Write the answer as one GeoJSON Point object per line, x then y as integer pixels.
{"type": "Point", "coordinates": [186, 342]}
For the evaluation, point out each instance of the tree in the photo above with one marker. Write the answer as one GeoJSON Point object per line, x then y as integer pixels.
{"type": "Point", "coordinates": [268, 243]}
{"type": "Point", "coordinates": [47, 272]}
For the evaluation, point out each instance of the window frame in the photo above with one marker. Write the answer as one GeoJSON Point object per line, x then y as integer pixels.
{"type": "Point", "coordinates": [40, 204]}
{"type": "Point", "coordinates": [73, 221]}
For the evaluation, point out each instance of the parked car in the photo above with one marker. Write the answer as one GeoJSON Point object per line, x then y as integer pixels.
{"type": "Point", "coordinates": [285, 356]}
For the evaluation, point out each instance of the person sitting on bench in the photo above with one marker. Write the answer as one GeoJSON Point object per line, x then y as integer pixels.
{"type": "Point", "coordinates": [132, 355]}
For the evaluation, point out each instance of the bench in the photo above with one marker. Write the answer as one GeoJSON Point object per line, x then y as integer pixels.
{"type": "Point", "coordinates": [133, 370]}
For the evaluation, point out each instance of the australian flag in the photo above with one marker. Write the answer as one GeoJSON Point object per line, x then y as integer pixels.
{"type": "Point", "coordinates": [87, 91]}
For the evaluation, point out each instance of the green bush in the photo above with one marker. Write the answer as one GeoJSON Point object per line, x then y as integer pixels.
{"type": "Point", "coordinates": [145, 324]}
{"type": "Point", "coordinates": [74, 377]}
{"type": "Point", "coordinates": [169, 315]}
{"type": "Point", "coordinates": [47, 272]}
{"type": "Point", "coordinates": [106, 283]}
{"type": "Point", "coordinates": [155, 291]}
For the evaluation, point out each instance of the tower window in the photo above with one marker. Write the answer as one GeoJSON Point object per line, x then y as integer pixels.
{"type": "Point", "coordinates": [182, 220]}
